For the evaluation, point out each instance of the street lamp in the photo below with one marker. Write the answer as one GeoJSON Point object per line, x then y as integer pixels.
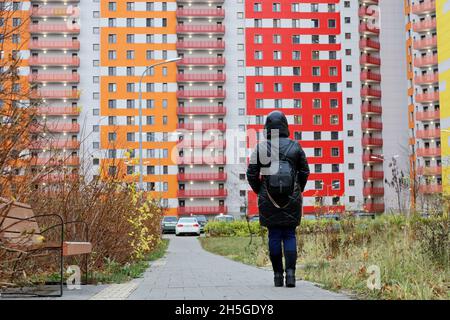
{"type": "Point", "coordinates": [141, 167]}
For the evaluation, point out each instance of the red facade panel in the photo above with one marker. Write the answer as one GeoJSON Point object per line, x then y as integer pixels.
{"type": "Point", "coordinates": [292, 52]}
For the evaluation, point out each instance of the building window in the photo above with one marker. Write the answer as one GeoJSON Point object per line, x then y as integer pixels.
{"type": "Point", "coordinates": [317, 119]}
{"type": "Point", "coordinates": [130, 137]}
{"type": "Point", "coordinates": [335, 152]}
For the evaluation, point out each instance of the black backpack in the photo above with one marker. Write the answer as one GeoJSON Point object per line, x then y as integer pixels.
{"type": "Point", "coordinates": [283, 182]}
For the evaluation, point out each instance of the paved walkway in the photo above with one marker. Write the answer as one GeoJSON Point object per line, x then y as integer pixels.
{"type": "Point", "coordinates": [189, 272]}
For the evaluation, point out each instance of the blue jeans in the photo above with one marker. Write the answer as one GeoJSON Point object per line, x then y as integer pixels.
{"type": "Point", "coordinates": [285, 235]}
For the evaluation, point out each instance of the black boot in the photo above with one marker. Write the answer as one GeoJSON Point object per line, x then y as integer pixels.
{"type": "Point", "coordinates": [278, 279]}
{"type": "Point", "coordinates": [277, 265]}
{"type": "Point", "coordinates": [290, 258]}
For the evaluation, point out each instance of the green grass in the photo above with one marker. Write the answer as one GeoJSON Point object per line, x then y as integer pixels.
{"type": "Point", "coordinates": [406, 271]}
{"type": "Point", "coordinates": [237, 248]}
{"type": "Point", "coordinates": [116, 273]}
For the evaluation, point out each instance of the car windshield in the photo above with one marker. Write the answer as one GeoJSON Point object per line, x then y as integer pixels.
{"type": "Point", "coordinates": [170, 219]}
{"type": "Point", "coordinates": [201, 219]}
{"type": "Point", "coordinates": [187, 220]}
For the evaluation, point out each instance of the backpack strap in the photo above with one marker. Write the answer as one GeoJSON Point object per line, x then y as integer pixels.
{"type": "Point", "coordinates": [274, 202]}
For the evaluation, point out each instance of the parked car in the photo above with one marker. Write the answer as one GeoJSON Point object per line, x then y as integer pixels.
{"type": "Point", "coordinates": [254, 219]}
{"type": "Point", "coordinates": [224, 218]}
{"type": "Point", "coordinates": [309, 217]}
{"type": "Point", "coordinates": [202, 222]}
{"type": "Point", "coordinates": [330, 216]}
{"type": "Point", "coordinates": [187, 226]}
{"type": "Point", "coordinates": [363, 215]}
{"type": "Point", "coordinates": [168, 224]}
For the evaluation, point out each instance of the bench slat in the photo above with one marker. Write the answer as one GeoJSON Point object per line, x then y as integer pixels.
{"type": "Point", "coordinates": [76, 248]}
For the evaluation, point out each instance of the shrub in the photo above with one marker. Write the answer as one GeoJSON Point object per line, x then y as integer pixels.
{"type": "Point", "coordinates": [232, 229]}
{"type": "Point", "coordinates": [124, 226]}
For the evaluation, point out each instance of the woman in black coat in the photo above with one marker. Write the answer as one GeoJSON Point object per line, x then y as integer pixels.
{"type": "Point", "coordinates": [280, 214]}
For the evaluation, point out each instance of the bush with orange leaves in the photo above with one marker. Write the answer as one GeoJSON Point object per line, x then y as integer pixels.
{"type": "Point", "coordinates": [124, 226]}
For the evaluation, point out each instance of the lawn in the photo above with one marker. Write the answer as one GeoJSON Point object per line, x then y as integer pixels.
{"type": "Point", "coordinates": [238, 249]}
{"type": "Point", "coordinates": [340, 261]}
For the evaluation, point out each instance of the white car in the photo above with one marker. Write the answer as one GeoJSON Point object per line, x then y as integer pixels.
{"type": "Point", "coordinates": [187, 226]}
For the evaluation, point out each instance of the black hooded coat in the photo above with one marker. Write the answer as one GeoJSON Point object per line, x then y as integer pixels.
{"type": "Point", "coordinates": [287, 210]}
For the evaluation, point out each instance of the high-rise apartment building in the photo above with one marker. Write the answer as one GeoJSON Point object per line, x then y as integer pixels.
{"type": "Point", "coordinates": [337, 69]}
{"type": "Point", "coordinates": [428, 56]}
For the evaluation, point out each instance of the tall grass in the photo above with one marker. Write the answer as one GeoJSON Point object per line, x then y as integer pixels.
{"type": "Point", "coordinates": [412, 255]}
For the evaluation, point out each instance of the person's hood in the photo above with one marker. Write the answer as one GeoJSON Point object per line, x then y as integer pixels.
{"type": "Point", "coordinates": [276, 120]}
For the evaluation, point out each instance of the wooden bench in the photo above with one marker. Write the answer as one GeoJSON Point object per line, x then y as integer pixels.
{"type": "Point", "coordinates": [19, 230]}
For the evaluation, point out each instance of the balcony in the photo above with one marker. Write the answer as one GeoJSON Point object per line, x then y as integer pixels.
{"type": "Point", "coordinates": [213, 144]}
{"type": "Point", "coordinates": [207, 13]}
{"type": "Point", "coordinates": [372, 125]}
{"type": "Point", "coordinates": [372, 142]}
{"type": "Point", "coordinates": [424, 25]}
{"type": "Point", "coordinates": [201, 94]}
{"type": "Point", "coordinates": [56, 127]}
{"type": "Point", "coordinates": [202, 77]}
{"type": "Point", "coordinates": [366, 28]}
{"type": "Point", "coordinates": [70, 161]}
{"type": "Point", "coordinates": [367, 12]}
{"type": "Point", "coordinates": [428, 115]}
{"type": "Point", "coordinates": [58, 111]}
{"type": "Point", "coordinates": [201, 28]}
{"type": "Point", "coordinates": [374, 207]}
{"type": "Point", "coordinates": [201, 126]}
{"type": "Point", "coordinates": [208, 44]}
{"type": "Point", "coordinates": [428, 97]}
{"type": "Point", "coordinates": [202, 110]}
{"type": "Point", "coordinates": [372, 158]}
{"type": "Point", "coordinates": [54, 61]}
{"type": "Point", "coordinates": [426, 61]}
{"type": "Point", "coordinates": [428, 134]}
{"type": "Point", "coordinates": [370, 93]}
{"type": "Point", "coordinates": [369, 108]}
{"type": "Point", "coordinates": [200, 1]}
{"type": "Point", "coordinates": [373, 192]}
{"type": "Point", "coordinates": [369, 60]}
{"type": "Point", "coordinates": [55, 77]}
{"type": "Point", "coordinates": [202, 160]}
{"type": "Point", "coordinates": [54, 45]}
{"type": "Point", "coordinates": [58, 178]}
{"type": "Point", "coordinates": [426, 79]}
{"type": "Point", "coordinates": [426, 43]}
{"type": "Point", "coordinates": [55, 145]}
{"type": "Point", "coordinates": [218, 193]}
{"type": "Point", "coordinates": [429, 152]}
{"type": "Point", "coordinates": [222, 176]}
{"type": "Point", "coordinates": [55, 94]}
{"type": "Point", "coordinates": [426, 7]}
{"type": "Point", "coordinates": [373, 175]}
{"type": "Point", "coordinates": [202, 210]}
{"type": "Point", "coordinates": [430, 188]}
{"type": "Point", "coordinates": [430, 171]}
{"type": "Point", "coordinates": [68, 11]}
{"type": "Point", "coordinates": [55, 28]}
{"type": "Point", "coordinates": [202, 62]}
{"type": "Point", "coordinates": [369, 76]}
{"type": "Point", "coordinates": [369, 44]}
